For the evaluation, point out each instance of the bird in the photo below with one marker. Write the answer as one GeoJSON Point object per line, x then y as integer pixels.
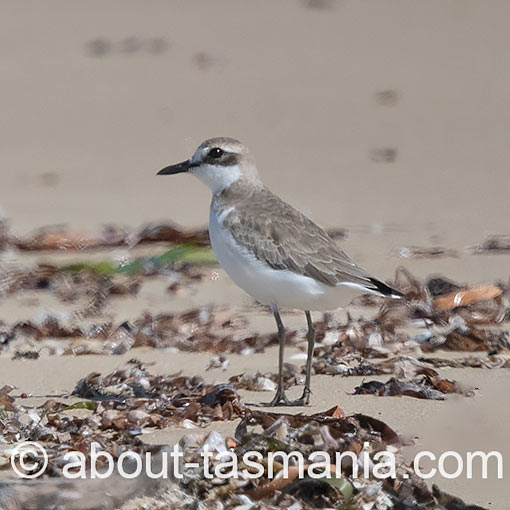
{"type": "Point", "coordinates": [271, 250]}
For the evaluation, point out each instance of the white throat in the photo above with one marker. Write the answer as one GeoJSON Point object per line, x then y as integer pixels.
{"type": "Point", "coordinates": [217, 178]}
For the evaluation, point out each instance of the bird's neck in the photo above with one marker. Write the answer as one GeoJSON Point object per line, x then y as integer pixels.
{"type": "Point", "coordinates": [238, 193]}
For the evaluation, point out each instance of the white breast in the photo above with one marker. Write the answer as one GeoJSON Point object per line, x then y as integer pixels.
{"type": "Point", "coordinates": [270, 286]}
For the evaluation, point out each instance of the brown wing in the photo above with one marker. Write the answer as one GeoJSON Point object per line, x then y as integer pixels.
{"type": "Point", "coordinates": [284, 238]}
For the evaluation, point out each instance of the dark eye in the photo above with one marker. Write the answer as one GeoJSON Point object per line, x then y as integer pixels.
{"type": "Point", "coordinates": [215, 153]}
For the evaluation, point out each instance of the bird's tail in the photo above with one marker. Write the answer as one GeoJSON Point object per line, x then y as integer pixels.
{"type": "Point", "coordinates": [385, 290]}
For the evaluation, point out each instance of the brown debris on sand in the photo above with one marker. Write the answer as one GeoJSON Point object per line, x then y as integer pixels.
{"type": "Point", "coordinates": [358, 457]}
{"type": "Point", "coordinates": [426, 387]}
{"type": "Point", "coordinates": [131, 399]}
{"type": "Point", "coordinates": [493, 245]}
{"type": "Point", "coordinates": [114, 410]}
{"type": "Point", "coordinates": [417, 252]}
{"type": "Point", "coordinates": [62, 238]}
{"type": "Point", "coordinates": [450, 316]}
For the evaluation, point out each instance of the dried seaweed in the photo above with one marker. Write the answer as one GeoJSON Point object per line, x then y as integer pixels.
{"type": "Point", "coordinates": [114, 410]}
{"type": "Point", "coordinates": [425, 387]}
{"type": "Point", "coordinates": [418, 252]}
{"type": "Point", "coordinates": [110, 236]}
{"type": "Point", "coordinates": [120, 405]}
{"type": "Point", "coordinates": [493, 245]}
{"type": "Point", "coordinates": [451, 317]}
{"type": "Point", "coordinates": [131, 398]}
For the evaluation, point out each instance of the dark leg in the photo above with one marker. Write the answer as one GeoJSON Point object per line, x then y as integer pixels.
{"type": "Point", "coordinates": [279, 398]}
{"type": "Point", "coordinates": [311, 343]}
{"type": "Point", "coordinates": [305, 398]}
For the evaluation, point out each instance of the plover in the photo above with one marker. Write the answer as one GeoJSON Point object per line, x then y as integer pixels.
{"type": "Point", "coordinates": [271, 250]}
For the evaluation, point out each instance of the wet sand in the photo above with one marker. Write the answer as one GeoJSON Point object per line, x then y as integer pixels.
{"type": "Point", "coordinates": [390, 119]}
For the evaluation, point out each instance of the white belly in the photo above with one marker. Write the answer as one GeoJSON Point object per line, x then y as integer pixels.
{"type": "Point", "coordinates": [271, 286]}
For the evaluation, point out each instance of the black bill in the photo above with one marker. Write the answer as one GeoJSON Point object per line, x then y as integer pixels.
{"type": "Point", "coordinates": [177, 169]}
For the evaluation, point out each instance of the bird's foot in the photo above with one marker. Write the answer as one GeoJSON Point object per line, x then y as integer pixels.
{"type": "Point", "coordinates": [280, 399]}
{"type": "Point", "coordinates": [298, 402]}
{"type": "Point", "coordinates": [304, 400]}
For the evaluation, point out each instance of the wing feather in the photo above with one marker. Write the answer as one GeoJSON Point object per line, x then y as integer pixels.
{"type": "Point", "coordinates": [284, 238]}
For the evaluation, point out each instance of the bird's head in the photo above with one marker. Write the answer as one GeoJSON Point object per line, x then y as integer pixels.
{"type": "Point", "coordinates": [219, 163]}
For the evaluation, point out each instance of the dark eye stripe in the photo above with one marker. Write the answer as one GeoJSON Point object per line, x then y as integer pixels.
{"type": "Point", "coordinates": [228, 159]}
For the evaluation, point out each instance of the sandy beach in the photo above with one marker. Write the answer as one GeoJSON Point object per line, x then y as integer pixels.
{"type": "Point", "coordinates": [388, 119]}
